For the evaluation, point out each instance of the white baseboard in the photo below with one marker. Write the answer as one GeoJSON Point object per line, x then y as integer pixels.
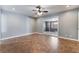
{"type": "Point", "coordinates": [60, 37]}
{"type": "Point", "coordinates": [22, 35]}
{"type": "Point", "coordinates": [37, 33]}
{"type": "Point", "coordinates": [68, 38]}
{"type": "Point", "coordinates": [17, 36]}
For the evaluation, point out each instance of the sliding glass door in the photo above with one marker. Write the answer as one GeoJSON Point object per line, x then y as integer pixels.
{"type": "Point", "coordinates": [51, 26]}
{"type": "Point", "coordinates": [47, 26]}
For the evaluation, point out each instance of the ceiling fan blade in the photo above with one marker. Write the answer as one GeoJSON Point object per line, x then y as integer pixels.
{"type": "Point", "coordinates": [45, 11]}
{"type": "Point", "coordinates": [39, 7]}
{"type": "Point", "coordinates": [34, 10]}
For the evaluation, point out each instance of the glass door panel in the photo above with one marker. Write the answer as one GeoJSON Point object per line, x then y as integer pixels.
{"type": "Point", "coordinates": [51, 26]}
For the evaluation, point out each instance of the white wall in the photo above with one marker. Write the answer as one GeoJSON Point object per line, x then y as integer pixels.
{"type": "Point", "coordinates": [68, 23]}
{"type": "Point", "coordinates": [14, 24]}
{"type": "Point", "coordinates": [40, 23]}
{"type": "Point", "coordinates": [78, 24]}
{"type": "Point", "coordinates": [0, 24]}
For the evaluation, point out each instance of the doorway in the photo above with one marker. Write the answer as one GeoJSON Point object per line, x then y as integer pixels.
{"type": "Point", "coordinates": [51, 27]}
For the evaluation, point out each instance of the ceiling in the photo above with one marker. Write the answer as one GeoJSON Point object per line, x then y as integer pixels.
{"type": "Point", "coordinates": [27, 9]}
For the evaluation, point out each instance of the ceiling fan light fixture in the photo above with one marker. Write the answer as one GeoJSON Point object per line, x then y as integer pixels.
{"type": "Point", "coordinates": [39, 11]}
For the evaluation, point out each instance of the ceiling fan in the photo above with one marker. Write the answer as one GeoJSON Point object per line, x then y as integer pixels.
{"type": "Point", "coordinates": [39, 10]}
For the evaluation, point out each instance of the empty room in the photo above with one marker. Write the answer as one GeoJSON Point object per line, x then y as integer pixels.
{"type": "Point", "coordinates": [39, 28]}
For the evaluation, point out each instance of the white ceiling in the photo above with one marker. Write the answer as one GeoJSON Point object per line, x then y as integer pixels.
{"type": "Point", "coordinates": [27, 9]}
